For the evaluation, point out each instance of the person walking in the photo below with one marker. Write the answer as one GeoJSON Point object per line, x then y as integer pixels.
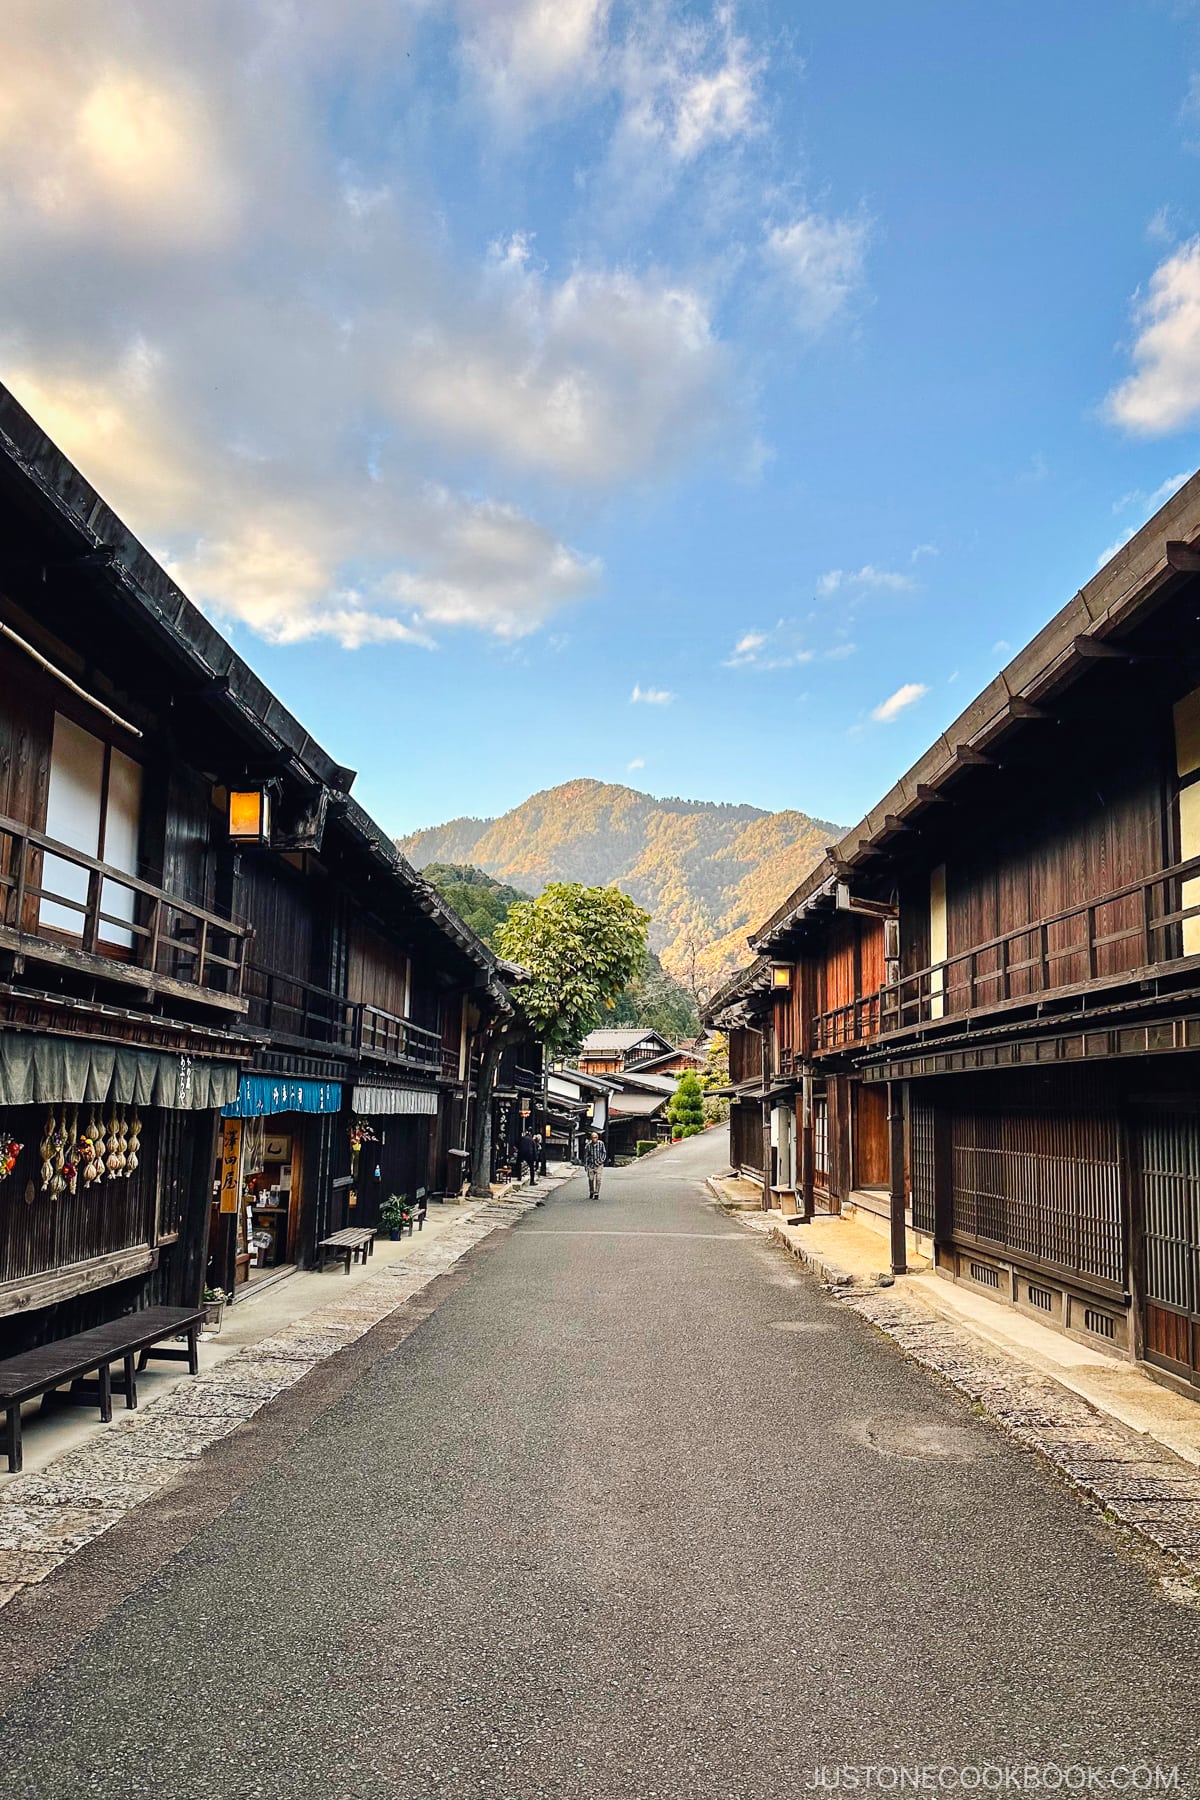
{"type": "Point", "coordinates": [530, 1149]}
{"type": "Point", "coordinates": [594, 1158]}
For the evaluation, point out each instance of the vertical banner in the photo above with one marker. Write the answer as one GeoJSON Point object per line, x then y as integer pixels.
{"type": "Point", "coordinates": [231, 1165]}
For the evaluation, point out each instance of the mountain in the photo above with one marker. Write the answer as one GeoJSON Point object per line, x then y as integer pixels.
{"type": "Point", "coordinates": [707, 872]}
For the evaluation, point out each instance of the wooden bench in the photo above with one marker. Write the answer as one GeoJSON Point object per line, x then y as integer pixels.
{"type": "Point", "coordinates": [354, 1242]}
{"type": "Point", "coordinates": [133, 1339]}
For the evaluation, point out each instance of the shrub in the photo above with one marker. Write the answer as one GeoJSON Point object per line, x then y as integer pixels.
{"type": "Point", "coordinates": [646, 1144]}
{"type": "Point", "coordinates": [686, 1109]}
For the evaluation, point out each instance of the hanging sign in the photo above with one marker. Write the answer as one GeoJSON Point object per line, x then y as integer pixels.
{"type": "Point", "coordinates": [231, 1165]}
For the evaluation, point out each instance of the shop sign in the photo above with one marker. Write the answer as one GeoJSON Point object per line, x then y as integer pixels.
{"type": "Point", "coordinates": [261, 1095]}
{"type": "Point", "coordinates": [231, 1165]}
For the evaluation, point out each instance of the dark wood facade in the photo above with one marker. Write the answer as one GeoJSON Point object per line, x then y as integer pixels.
{"type": "Point", "coordinates": [989, 999]}
{"type": "Point", "coordinates": [154, 971]}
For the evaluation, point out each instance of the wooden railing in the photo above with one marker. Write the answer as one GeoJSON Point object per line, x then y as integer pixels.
{"type": "Point", "coordinates": [285, 1006]}
{"type": "Point", "coordinates": [381, 1033]}
{"type": "Point", "coordinates": [60, 903]}
{"type": "Point", "coordinates": [1139, 926]}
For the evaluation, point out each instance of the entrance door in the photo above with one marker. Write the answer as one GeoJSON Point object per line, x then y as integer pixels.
{"type": "Point", "coordinates": [872, 1153]}
{"type": "Point", "coordinates": [1169, 1170]}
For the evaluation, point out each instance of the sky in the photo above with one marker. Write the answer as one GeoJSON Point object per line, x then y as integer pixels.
{"type": "Point", "coordinates": [707, 397]}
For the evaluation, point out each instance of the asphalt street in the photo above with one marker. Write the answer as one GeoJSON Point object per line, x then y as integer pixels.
{"type": "Point", "coordinates": [636, 1510]}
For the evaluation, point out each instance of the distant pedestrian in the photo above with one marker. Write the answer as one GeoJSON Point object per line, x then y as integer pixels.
{"type": "Point", "coordinates": [530, 1153]}
{"type": "Point", "coordinates": [594, 1158]}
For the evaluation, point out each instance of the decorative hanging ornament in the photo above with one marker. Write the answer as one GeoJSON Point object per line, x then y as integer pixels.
{"type": "Point", "coordinates": [135, 1143]}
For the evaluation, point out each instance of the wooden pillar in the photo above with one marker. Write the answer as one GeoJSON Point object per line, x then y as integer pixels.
{"type": "Point", "coordinates": [896, 1148]}
{"type": "Point", "coordinates": [807, 1147]}
{"type": "Point", "coordinates": [768, 1153]}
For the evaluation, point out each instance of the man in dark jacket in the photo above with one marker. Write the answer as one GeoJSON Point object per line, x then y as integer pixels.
{"type": "Point", "coordinates": [594, 1158]}
{"type": "Point", "coordinates": [529, 1155]}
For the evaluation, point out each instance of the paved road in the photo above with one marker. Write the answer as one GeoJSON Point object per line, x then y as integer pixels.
{"type": "Point", "coordinates": [636, 1511]}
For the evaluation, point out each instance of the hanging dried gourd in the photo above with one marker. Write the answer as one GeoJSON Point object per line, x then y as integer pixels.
{"type": "Point", "coordinates": [70, 1168]}
{"type": "Point", "coordinates": [96, 1133]}
{"type": "Point", "coordinates": [46, 1151]}
{"type": "Point", "coordinates": [58, 1159]}
{"type": "Point", "coordinates": [123, 1144]}
{"type": "Point", "coordinates": [135, 1143]}
{"type": "Point", "coordinates": [111, 1146]}
{"type": "Point", "coordinates": [85, 1152]}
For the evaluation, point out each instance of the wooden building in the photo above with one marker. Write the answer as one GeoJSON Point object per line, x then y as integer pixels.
{"type": "Point", "coordinates": [215, 970]}
{"type": "Point", "coordinates": [608, 1050]}
{"type": "Point", "coordinates": [986, 998]}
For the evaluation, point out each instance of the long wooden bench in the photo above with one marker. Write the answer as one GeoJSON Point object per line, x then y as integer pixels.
{"type": "Point", "coordinates": [354, 1242]}
{"type": "Point", "coordinates": [131, 1341]}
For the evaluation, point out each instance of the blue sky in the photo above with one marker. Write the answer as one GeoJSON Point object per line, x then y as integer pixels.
{"type": "Point", "coordinates": [704, 396]}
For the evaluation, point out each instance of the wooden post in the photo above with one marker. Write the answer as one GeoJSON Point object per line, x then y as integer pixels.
{"type": "Point", "coordinates": [896, 1149]}
{"type": "Point", "coordinates": [807, 1148]}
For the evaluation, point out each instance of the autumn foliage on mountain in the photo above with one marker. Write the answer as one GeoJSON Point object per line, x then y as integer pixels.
{"type": "Point", "coordinates": [707, 873]}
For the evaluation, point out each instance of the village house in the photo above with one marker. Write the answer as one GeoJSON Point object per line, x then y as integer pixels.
{"type": "Point", "coordinates": [978, 1018]}
{"type": "Point", "coordinates": [232, 1017]}
{"type": "Point", "coordinates": [608, 1050]}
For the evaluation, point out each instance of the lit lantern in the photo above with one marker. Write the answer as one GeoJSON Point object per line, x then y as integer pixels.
{"type": "Point", "coordinates": [781, 977]}
{"type": "Point", "coordinates": [250, 815]}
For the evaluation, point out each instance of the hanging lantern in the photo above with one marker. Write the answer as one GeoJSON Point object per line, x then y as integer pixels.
{"type": "Point", "coordinates": [250, 815]}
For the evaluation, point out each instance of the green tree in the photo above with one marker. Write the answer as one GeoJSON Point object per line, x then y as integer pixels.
{"type": "Point", "coordinates": [685, 1109]}
{"type": "Point", "coordinates": [579, 946]}
{"type": "Point", "coordinates": [715, 1074]}
{"type": "Point", "coordinates": [478, 898]}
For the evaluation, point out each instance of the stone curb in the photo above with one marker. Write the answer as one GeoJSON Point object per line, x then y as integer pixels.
{"type": "Point", "coordinates": [1133, 1479]}
{"type": "Point", "coordinates": [46, 1516]}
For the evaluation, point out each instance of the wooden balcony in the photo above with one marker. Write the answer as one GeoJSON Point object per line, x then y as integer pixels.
{"type": "Point", "coordinates": [1135, 932]}
{"type": "Point", "coordinates": [307, 1015]}
{"type": "Point", "coordinates": [61, 906]}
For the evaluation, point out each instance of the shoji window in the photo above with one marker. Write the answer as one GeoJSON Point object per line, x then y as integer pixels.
{"type": "Point", "coordinates": [93, 805]}
{"type": "Point", "coordinates": [1187, 767]}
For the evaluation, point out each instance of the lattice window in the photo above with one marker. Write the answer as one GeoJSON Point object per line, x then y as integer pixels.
{"type": "Point", "coordinates": [1044, 1185]}
{"type": "Point", "coordinates": [921, 1148]}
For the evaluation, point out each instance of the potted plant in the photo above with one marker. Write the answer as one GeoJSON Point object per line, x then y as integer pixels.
{"type": "Point", "coordinates": [214, 1308]}
{"type": "Point", "coordinates": [395, 1214]}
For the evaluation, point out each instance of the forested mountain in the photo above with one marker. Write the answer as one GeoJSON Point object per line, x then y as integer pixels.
{"type": "Point", "coordinates": [708, 873]}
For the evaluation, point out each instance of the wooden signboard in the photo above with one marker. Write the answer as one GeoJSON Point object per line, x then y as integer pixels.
{"type": "Point", "coordinates": [231, 1165]}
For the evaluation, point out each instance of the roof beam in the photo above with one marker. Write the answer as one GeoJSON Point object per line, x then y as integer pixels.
{"type": "Point", "coordinates": [1183, 558]}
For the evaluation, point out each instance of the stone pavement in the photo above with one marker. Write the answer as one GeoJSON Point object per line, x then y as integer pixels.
{"type": "Point", "coordinates": [1138, 1483]}
{"type": "Point", "coordinates": [48, 1515]}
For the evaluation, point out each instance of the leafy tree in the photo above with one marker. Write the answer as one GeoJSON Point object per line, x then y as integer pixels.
{"type": "Point", "coordinates": [579, 946]}
{"type": "Point", "coordinates": [478, 898]}
{"type": "Point", "coordinates": [685, 1109]}
{"type": "Point", "coordinates": [715, 1074]}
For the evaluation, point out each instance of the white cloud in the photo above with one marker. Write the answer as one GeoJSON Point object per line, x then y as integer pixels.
{"type": "Point", "coordinates": [651, 696]}
{"type": "Point", "coordinates": [867, 579]}
{"type": "Point", "coordinates": [526, 52]}
{"type": "Point", "coordinates": [1150, 503]}
{"type": "Point", "coordinates": [639, 762]}
{"type": "Point", "coordinates": [686, 85]}
{"type": "Point", "coordinates": [780, 647]}
{"type": "Point", "coordinates": [272, 363]}
{"type": "Point", "coordinates": [595, 378]}
{"type": "Point", "coordinates": [894, 705]}
{"type": "Point", "coordinates": [1163, 394]}
{"type": "Point", "coordinates": [821, 263]}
